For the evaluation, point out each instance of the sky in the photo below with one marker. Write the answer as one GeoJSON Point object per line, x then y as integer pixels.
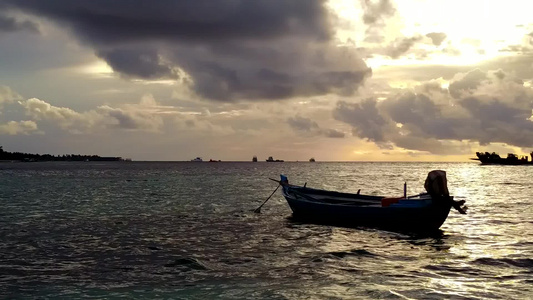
{"type": "Point", "coordinates": [338, 80]}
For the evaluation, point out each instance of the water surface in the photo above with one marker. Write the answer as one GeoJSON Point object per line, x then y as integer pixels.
{"type": "Point", "coordinates": [187, 231]}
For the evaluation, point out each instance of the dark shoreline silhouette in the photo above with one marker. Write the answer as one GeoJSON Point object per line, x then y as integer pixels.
{"type": "Point", "coordinates": [29, 157]}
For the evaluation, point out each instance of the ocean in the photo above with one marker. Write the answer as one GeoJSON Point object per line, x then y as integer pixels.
{"type": "Point", "coordinates": [186, 230]}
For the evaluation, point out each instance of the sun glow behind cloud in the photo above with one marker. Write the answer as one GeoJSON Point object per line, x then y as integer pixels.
{"type": "Point", "coordinates": [96, 68]}
{"type": "Point", "coordinates": [487, 21]}
{"type": "Point", "coordinates": [493, 24]}
{"type": "Point", "coordinates": [475, 30]}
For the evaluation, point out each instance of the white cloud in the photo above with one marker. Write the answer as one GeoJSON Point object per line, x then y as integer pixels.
{"type": "Point", "coordinates": [131, 118]}
{"type": "Point", "coordinates": [7, 95]}
{"type": "Point", "coordinates": [128, 119]}
{"type": "Point", "coordinates": [15, 128]}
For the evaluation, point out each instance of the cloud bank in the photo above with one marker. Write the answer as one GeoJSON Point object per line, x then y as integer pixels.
{"type": "Point", "coordinates": [483, 107]}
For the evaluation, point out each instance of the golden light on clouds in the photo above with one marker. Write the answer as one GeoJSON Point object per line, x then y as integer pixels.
{"type": "Point", "coordinates": [306, 86]}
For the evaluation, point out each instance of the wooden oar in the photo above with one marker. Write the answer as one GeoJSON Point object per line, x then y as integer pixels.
{"type": "Point", "coordinates": [258, 210]}
{"type": "Point", "coordinates": [278, 181]}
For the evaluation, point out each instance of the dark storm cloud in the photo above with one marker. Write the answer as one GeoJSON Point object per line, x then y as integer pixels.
{"type": "Point", "coordinates": [436, 37]}
{"type": "Point", "coordinates": [365, 119]}
{"type": "Point", "coordinates": [486, 107]}
{"type": "Point", "coordinates": [10, 24]}
{"type": "Point", "coordinates": [125, 20]}
{"type": "Point", "coordinates": [483, 107]}
{"type": "Point", "coordinates": [144, 63]}
{"type": "Point", "coordinates": [500, 121]}
{"type": "Point", "coordinates": [420, 115]}
{"type": "Point", "coordinates": [231, 49]}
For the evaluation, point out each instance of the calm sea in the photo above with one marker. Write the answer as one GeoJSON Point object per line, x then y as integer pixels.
{"type": "Point", "coordinates": [166, 230]}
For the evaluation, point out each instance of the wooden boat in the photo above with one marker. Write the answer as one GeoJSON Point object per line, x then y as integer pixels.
{"type": "Point", "coordinates": [420, 213]}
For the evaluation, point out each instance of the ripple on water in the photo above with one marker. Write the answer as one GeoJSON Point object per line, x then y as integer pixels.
{"type": "Point", "coordinates": [182, 230]}
{"type": "Point", "coordinates": [526, 263]}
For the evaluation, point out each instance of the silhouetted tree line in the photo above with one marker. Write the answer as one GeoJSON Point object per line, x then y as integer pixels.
{"type": "Point", "coordinates": [4, 155]}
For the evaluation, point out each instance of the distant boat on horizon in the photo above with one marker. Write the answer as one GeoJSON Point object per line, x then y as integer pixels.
{"type": "Point", "coordinates": [312, 159]}
{"type": "Point", "coordinates": [254, 159]}
{"type": "Point", "coordinates": [214, 160]}
{"type": "Point", "coordinates": [198, 159]}
{"type": "Point", "coordinates": [271, 159]}
{"type": "Point", "coordinates": [495, 159]}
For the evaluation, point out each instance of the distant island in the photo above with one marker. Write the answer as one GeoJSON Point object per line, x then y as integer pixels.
{"type": "Point", "coordinates": [28, 157]}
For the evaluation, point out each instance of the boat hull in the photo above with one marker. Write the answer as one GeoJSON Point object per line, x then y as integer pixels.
{"type": "Point", "coordinates": [417, 215]}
